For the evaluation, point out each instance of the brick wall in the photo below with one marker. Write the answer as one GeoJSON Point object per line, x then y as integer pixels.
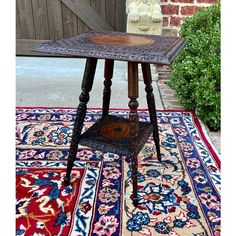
{"type": "Point", "coordinates": [175, 11]}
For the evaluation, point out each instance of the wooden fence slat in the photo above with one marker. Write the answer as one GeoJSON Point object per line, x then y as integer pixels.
{"type": "Point", "coordinates": [93, 3]}
{"type": "Point", "coordinates": [101, 8]}
{"type": "Point", "coordinates": [82, 27]}
{"type": "Point", "coordinates": [26, 18]}
{"type": "Point", "coordinates": [69, 22]}
{"type": "Point", "coordinates": [40, 19]}
{"type": "Point", "coordinates": [18, 27]}
{"type": "Point", "coordinates": [111, 12]}
{"type": "Point", "coordinates": [120, 15]}
{"type": "Point", "coordinates": [55, 19]}
{"type": "Point", "coordinates": [87, 14]}
{"type": "Point", "coordinates": [24, 46]}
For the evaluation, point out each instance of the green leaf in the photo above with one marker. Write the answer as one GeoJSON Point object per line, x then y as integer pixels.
{"type": "Point", "coordinates": [196, 70]}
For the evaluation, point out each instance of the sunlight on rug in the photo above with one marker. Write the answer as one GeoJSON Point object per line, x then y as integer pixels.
{"type": "Point", "coordinates": [178, 197]}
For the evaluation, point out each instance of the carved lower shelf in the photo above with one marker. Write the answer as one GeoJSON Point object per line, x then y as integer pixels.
{"type": "Point", "coordinates": [112, 134]}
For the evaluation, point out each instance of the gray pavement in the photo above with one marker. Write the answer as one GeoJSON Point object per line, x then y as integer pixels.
{"type": "Point", "coordinates": [51, 81]}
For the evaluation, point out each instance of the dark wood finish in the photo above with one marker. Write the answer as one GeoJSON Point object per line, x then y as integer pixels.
{"type": "Point", "coordinates": [148, 49]}
{"type": "Point", "coordinates": [108, 73]}
{"type": "Point", "coordinates": [86, 87]}
{"type": "Point", "coordinates": [133, 118]}
{"type": "Point", "coordinates": [111, 134]}
{"type": "Point", "coordinates": [147, 78]}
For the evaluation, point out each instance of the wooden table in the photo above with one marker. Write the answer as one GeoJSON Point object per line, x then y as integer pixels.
{"type": "Point", "coordinates": [110, 133]}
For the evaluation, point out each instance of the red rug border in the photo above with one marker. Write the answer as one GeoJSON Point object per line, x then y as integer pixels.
{"type": "Point", "coordinates": [199, 126]}
{"type": "Point", "coordinates": [195, 119]}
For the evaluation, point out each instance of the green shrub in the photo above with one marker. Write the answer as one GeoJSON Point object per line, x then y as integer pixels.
{"type": "Point", "coordinates": [196, 71]}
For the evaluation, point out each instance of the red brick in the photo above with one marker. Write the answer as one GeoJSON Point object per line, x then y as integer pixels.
{"type": "Point", "coordinates": [207, 1]}
{"type": "Point", "coordinates": [165, 21]}
{"type": "Point", "coordinates": [169, 9]}
{"type": "Point", "coordinates": [189, 10]}
{"type": "Point", "coordinates": [163, 67]}
{"type": "Point", "coordinates": [161, 78]}
{"type": "Point", "coordinates": [175, 21]}
{"type": "Point", "coordinates": [167, 91]}
{"type": "Point", "coordinates": [161, 82]}
{"type": "Point", "coordinates": [164, 75]}
{"type": "Point", "coordinates": [171, 107]}
{"type": "Point", "coordinates": [163, 71]}
{"type": "Point", "coordinates": [169, 98]}
{"type": "Point", "coordinates": [183, 1]}
{"type": "Point", "coordinates": [163, 86]}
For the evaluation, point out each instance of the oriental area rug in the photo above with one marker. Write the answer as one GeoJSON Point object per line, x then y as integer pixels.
{"type": "Point", "coordinates": [179, 196]}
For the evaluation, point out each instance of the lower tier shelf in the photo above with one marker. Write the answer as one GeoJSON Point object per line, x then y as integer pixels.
{"type": "Point", "coordinates": [112, 134]}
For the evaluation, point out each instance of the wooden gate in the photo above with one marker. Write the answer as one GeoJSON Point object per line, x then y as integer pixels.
{"type": "Point", "coordinates": [40, 20]}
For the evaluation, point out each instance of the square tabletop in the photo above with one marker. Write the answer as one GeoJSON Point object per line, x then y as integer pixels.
{"type": "Point", "coordinates": [118, 46]}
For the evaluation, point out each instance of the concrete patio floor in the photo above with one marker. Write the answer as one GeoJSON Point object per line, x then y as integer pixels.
{"type": "Point", "coordinates": [48, 81]}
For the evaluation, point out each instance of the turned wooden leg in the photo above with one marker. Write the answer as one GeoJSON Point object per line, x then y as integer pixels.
{"type": "Point", "coordinates": [147, 77]}
{"type": "Point", "coordinates": [133, 118]}
{"type": "Point", "coordinates": [108, 73]}
{"type": "Point", "coordinates": [87, 84]}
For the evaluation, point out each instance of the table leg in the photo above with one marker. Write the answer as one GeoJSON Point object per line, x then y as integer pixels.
{"type": "Point", "coordinates": [133, 118]}
{"type": "Point", "coordinates": [147, 77]}
{"type": "Point", "coordinates": [108, 73]}
{"type": "Point", "coordinates": [86, 87]}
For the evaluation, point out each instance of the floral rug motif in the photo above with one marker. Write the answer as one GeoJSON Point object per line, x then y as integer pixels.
{"type": "Point", "coordinates": [179, 196]}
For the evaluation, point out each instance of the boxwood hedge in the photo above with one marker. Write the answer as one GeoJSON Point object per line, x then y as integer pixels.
{"type": "Point", "coordinates": [196, 71]}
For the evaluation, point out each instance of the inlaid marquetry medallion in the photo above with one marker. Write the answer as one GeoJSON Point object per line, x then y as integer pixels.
{"type": "Point", "coordinates": [115, 130]}
{"type": "Point", "coordinates": [121, 40]}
